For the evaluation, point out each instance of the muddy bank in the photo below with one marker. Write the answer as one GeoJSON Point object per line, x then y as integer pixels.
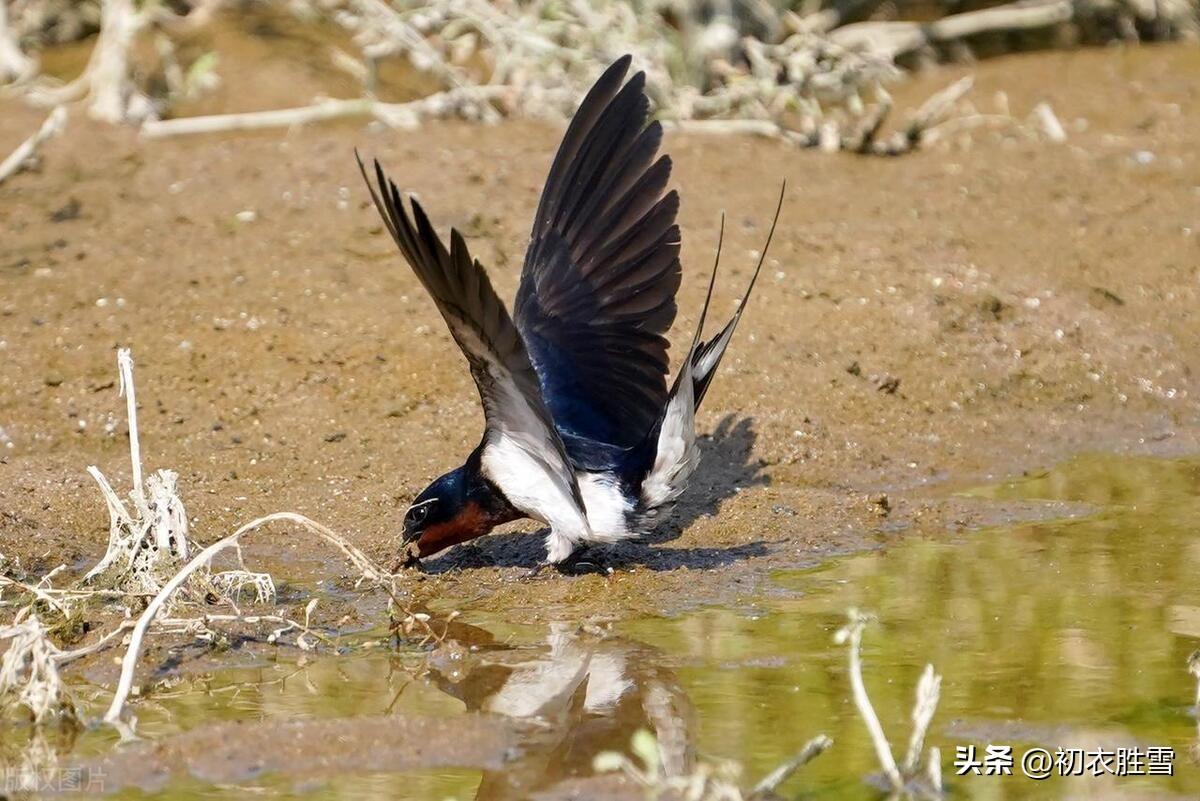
{"type": "Point", "coordinates": [990, 305]}
{"type": "Point", "coordinates": [1071, 633]}
{"type": "Point", "coordinates": [239, 753]}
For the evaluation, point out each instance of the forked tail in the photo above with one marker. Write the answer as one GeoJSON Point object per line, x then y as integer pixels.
{"type": "Point", "coordinates": [705, 357]}
{"type": "Point", "coordinates": [674, 455]}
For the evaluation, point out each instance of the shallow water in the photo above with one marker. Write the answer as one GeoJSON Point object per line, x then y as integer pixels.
{"type": "Point", "coordinates": [1071, 633]}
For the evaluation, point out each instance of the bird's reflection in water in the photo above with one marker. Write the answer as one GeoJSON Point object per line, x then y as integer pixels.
{"type": "Point", "coordinates": [586, 691]}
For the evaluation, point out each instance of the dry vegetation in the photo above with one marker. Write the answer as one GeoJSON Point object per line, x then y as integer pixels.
{"type": "Point", "coordinates": [813, 76]}
{"type": "Point", "coordinates": [146, 571]}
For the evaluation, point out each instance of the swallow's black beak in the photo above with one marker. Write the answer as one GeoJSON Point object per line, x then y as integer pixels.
{"type": "Point", "coordinates": [411, 533]}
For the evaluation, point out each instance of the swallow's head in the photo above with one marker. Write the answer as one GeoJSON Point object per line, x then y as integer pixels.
{"type": "Point", "coordinates": [437, 504]}
{"type": "Point", "coordinates": [446, 513]}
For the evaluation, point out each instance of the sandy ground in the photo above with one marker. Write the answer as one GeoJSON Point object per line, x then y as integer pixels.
{"type": "Point", "coordinates": [993, 304]}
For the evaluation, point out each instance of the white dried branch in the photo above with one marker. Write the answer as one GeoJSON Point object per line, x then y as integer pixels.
{"type": "Point", "coordinates": [396, 115]}
{"type": "Point", "coordinates": [1049, 123]}
{"type": "Point", "coordinates": [61, 598]}
{"type": "Point", "coordinates": [895, 39]}
{"type": "Point", "coordinates": [230, 583]}
{"type": "Point", "coordinates": [1022, 15]}
{"type": "Point", "coordinates": [811, 750]}
{"type": "Point", "coordinates": [933, 771]}
{"type": "Point", "coordinates": [851, 636]}
{"type": "Point", "coordinates": [20, 158]}
{"type": "Point", "coordinates": [107, 79]}
{"type": "Point", "coordinates": [63, 657]}
{"type": "Point", "coordinates": [29, 670]}
{"type": "Point", "coordinates": [143, 546]}
{"type": "Point", "coordinates": [15, 66]}
{"type": "Point", "coordinates": [929, 690]}
{"type": "Point", "coordinates": [202, 560]}
{"type": "Point", "coordinates": [114, 96]}
{"type": "Point", "coordinates": [126, 388]}
{"type": "Point", "coordinates": [203, 627]}
{"type": "Point", "coordinates": [906, 779]}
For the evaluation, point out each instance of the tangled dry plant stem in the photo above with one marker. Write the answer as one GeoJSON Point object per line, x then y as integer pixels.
{"type": "Point", "coordinates": [202, 627]}
{"type": "Point", "coordinates": [357, 558]}
{"type": "Point", "coordinates": [814, 81]}
{"type": "Point", "coordinates": [144, 544]}
{"type": "Point", "coordinates": [29, 670]}
{"type": "Point", "coordinates": [851, 636]}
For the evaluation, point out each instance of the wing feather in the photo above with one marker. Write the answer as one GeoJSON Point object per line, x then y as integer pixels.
{"type": "Point", "coordinates": [480, 324]}
{"type": "Point", "coordinates": [597, 292]}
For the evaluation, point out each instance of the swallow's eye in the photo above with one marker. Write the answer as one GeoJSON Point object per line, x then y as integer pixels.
{"type": "Point", "coordinates": [417, 516]}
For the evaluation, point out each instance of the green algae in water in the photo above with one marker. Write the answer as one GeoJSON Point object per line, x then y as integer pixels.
{"type": "Point", "coordinates": [1069, 633]}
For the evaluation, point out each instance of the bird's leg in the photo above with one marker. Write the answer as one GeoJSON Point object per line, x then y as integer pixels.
{"type": "Point", "coordinates": [577, 563]}
{"type": "Point", "coordinates": [582, 560]}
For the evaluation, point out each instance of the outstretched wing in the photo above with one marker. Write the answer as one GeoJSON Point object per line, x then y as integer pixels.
{"type": "Point", "coordinates": [512, 401]}
{"type": "Point", "coordinates": [598, 289]}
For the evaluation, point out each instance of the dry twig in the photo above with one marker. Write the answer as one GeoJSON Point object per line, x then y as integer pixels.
{"type": "Point", "coordinates": [906, 778]}
{"type": "Point", "coordinates": [395, 115]}
{"type": "Point", "coordinates": [29, 670]}
{"type": "Point", "coordinates": [202, 560]}
{"type": "Point", "coordinates": [15, 66]}
{"type": "Point", "coordinates": [20, 158]}
{"type": "Point", "coordinates": [106, 80]}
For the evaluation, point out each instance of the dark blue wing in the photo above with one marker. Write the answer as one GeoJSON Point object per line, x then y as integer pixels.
{"type": "Point", "coordinates": [598, 289]}
{"type": "Point", "coordinates": [499, 361]}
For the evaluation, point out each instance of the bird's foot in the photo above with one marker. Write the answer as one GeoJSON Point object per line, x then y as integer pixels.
{"type": "Point", "coordinates": [578, 563]}
{"type": "Point", "coordinates": [581, 563]}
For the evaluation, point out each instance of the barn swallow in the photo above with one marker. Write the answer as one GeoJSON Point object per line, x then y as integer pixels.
{"type": "Point", "coordinates": [581, 429]}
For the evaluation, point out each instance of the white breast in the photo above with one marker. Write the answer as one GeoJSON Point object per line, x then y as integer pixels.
{"type": "Point", "coordinates": [607, 507]}
{"type": "Point", "coordinates": [524, 480]}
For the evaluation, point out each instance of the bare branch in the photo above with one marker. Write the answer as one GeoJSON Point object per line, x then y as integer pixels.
{"type": "Point", "coordinates": [201, 560]}
{"type": "Point", "coordinates": [851, 635]}
{"type": "Point", "coordinates": [395, 115]}
{"type": "Point", "coordinates": [27, 150]}
{"type": "Point", "coordinates": [811, 750]}
{"type": "Point", "coordinates": [15, 66]}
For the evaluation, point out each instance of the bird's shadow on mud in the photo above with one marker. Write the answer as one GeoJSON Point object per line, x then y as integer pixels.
{"type": "Point", "coordinates": [727, 466]}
